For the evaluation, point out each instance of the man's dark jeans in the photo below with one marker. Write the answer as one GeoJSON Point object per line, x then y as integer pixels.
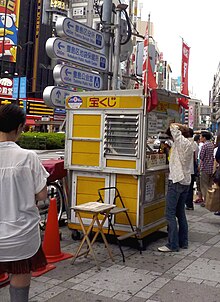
{"type": "Point", "coordinates": [189, 200]}
{"type": "Point", "coordinates": [175, 208]}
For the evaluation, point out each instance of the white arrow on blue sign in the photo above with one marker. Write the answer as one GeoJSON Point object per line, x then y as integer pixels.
{"type": "Point", "coordinates": [72, 52]}
{"type": "Point", "coordinates": [66, 27]}
{"type": "Point", "coordinates": [68, 75]}
{"type": "Point", "coordinates": [55, 96]}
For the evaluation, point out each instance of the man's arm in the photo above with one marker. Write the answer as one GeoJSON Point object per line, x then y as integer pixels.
{"type": "Point", "coordinates": [42, 195]}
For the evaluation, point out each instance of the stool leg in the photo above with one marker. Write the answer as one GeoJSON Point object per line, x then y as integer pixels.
{"type": "Point", "coordinates": [86, 238]}
{"type": "Point", "coordinates": [119, 244]}
{"type": "Point", "coordinates": [100, 225]}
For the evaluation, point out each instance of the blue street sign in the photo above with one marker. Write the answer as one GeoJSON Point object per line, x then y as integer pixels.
{"type": "Point", "coordinates": [19, 81]}
{"type": "Point", "coordinates": [68, 75]}
{"type": "Point", "coordinates": [72, 52]}
{"type": "Point", "coordinates": [59, 111]}
{"type": "Point", "coordinates": [15, 88]}
{"type": "Point", "coordinates": [23, 88]}
{"type": "Point", "coordinates": [66, 27]}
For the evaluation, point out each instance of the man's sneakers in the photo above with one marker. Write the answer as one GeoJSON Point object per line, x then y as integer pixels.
{"type": "Point", "coordinates": [184, 247]}
{"type": "Point", "coordinates": [189, 208]}
{"type": "Point", "coordinates": [165, 249]}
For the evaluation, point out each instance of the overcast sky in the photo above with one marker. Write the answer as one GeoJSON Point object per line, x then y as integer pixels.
{"type": "Point", "coordinates": [197, 22]}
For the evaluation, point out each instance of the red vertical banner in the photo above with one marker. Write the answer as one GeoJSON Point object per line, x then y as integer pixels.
{"type": "Point", "coordinates": [184, 75]}
{"type": "Point", "coordinates": [184, 71]}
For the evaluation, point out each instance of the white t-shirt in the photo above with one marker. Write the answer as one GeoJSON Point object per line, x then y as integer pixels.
{"type": "Point", "coordinates": [21, 177]}
{"type": "Point", "coordinates": [181, 157]}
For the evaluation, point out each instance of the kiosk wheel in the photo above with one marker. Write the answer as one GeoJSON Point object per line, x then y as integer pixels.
{"type": "Point", "coordinates": [75, 235]}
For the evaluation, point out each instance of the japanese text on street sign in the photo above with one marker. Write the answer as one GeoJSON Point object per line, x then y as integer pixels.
{"type": "Point", "coordinates": [66, 27]}
{"type": "Point", "coordinates": [103, 102]}
{"type": "Point", "coordinates": [69, 75]}
{"type": "Point", "coordinates": [55, 96]}
{"type": "Point", "coordinates": [72, 52]}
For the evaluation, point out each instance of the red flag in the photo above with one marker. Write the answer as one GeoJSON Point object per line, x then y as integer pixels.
{"type": "Point", "coordinates": [184, 75]}
{"type": "Point", "coordinates": [149, 81]}
{"type": "Point", "coordinates": [152, 100]}
{"type": "Point", "coordinates": [151, 78]}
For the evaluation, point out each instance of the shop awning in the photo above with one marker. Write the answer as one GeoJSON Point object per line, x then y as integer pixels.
{"type": "Point", "coordinates": [172, 97]}
{"type": "Point", "coordinates": [172, 94]}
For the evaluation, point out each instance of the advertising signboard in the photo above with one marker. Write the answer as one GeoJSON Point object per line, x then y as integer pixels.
{"type": "Point", "coordinates": [74, 53]}
{"type": "Point", "coordinates": [6, 87]}
{"type": "Point", "coordinates": [9, 20]}
{"type": "Point", "coordinates": [66, 27]}
{"type": "Point", "coordinates": [76, 77]}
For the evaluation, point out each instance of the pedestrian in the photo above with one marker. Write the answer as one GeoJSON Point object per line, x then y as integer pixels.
{"type": "Point", "coordinates": [206, 163]}
{"type": "Point", "coordinates": [180, 169]}
{"type": "Point", "coordinates": [217, 150]}
{"type": "Point", "coordinates": [23, 181]}
{"type": "Point", "coordinates": [217, 160]}
{"type": "Point", "coordinates": [197, 174]}
{"type": "Point", "coordinates": [194, 172]}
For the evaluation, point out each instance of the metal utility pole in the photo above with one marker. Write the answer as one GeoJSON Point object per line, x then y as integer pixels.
{"type": "Point", "coordinates": [106, 19]}
{"type": "Point", "coordinates": [117, 48]}
{"type": "Point", "coordinates": [70, 9]}
{"type": "Point", "coordinates": [133, 15]}
{"type": "Point", "coordinates": [90, 13]}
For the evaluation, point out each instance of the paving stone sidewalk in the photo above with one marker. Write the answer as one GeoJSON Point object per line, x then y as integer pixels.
{"type": "Point", "coordinates": [189, 275]}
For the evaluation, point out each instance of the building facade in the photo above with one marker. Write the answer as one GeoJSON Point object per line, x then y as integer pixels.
{"type": "Point", "coordinates": [25, 69]}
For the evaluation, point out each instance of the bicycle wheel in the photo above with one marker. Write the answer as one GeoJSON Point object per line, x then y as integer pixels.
{"type": "Point", "coordinates": [53, 190]}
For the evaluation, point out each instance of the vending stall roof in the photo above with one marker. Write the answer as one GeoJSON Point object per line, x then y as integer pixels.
{"type": "Point", "coordinates": [170, 96]}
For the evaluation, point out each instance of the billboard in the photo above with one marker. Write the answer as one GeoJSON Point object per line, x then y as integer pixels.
{"type": "Point", "coordinates": [6, 85]}
{"type": "Point", "coordinates": [9, 20]}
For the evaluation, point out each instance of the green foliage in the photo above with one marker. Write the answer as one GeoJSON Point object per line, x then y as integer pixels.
{"type": "Point", "coordinates": [42, 141]}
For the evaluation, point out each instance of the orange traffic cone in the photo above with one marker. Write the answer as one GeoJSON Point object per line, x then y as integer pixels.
{"type": "Point", "coordinates": [3, 277]}
{"type": "Point", "coordinates": [51, 243]}
{"type": "Point", "coordinates": [43, 270]}
{"type": "Point", "coordinates": [4, 280]}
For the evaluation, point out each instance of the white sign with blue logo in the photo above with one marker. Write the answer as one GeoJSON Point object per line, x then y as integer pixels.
{"type": "Point", "coordinates": [72, 52]}
{"type": "Point", "coordinates": [75, 102]}
{"type": "Point", "coordinates": [68, 75]}
{"type": "Point", "coordinates": [55, 96]}
{"type": "Point", "coordinates": [66, 27]}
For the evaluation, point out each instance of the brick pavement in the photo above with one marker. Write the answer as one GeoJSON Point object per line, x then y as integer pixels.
{"type": "Point", "coordinates": [189, 275]}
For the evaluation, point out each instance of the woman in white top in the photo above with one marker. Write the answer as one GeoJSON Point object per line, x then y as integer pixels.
{"type": "Point", "coordinates": [22, 182]}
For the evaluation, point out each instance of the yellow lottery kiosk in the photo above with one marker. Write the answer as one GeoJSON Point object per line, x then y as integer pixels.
{"type": "Point", "coordinates": [107, 146]}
